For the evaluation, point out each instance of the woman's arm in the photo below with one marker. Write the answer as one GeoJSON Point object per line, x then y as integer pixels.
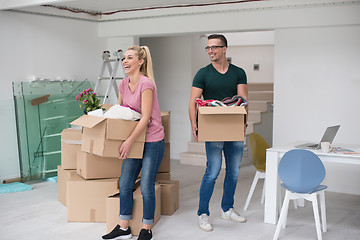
{"type": "Point", "coordinates": [146, 110]}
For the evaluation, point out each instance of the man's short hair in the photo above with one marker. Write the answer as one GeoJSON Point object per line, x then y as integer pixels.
{"type": "Point", "coordinates": [219, 36]}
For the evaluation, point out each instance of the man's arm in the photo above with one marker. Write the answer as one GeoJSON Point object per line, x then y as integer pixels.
{"type": "Point", "coordinates": [195, 93]}
{"type": "Point", "coordinates": [242, 90]}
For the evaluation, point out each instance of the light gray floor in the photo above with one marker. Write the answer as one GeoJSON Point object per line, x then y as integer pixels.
{"type": "Point", "coordinates": [37, 214]}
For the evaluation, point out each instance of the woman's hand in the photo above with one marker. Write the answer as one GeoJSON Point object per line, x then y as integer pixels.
{"type": "Point", "coordinates": [125, 149]}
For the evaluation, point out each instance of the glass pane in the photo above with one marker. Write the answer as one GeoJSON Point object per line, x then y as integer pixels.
{"type": "Point", "coordinates": [43, 109]}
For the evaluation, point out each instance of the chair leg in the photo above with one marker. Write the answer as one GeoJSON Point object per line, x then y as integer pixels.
{"type": "Point", "coordinates": [256, 178]}
{"type": "Point", "coordinates": [323, 210]}
{"type": "Point", "coordinates": [316, 215]}
{"type": "Point", "coordinates": [283, 215]}
{"type": "Point", "coordinates": [295, 203]}
{"type": "Point", "coordinates": [279, 200]}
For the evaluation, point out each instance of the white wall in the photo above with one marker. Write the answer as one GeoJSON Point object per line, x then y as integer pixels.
{"type": "Point", "coordinates": [40, 46]}
{"type": "Point", "coordinates": [247, 56]}
{"type": "Point", "coordinates": [317, 83]}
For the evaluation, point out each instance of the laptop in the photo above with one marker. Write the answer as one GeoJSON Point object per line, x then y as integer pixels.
{"type": "Point", "coordinates": [328, 136]}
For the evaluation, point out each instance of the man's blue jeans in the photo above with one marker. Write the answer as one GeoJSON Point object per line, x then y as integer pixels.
{"type": "Point", "coordinates": [233, 152]}
{"type": "Point", "coordinates": [150, 163]}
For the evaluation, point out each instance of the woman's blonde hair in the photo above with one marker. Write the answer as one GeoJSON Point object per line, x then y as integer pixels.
{"type": "Point", "coordinates": [146, 68]}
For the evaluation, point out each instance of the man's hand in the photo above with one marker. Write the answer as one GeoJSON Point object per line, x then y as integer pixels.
{"type": "Point", "coordinates": [195, 131]}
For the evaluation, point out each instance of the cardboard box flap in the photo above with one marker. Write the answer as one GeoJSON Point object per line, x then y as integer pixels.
{"type": "Point", "coordinates": [117, 194]}
{"type": "Point", "coordinates": [67, 141]}
{"type": "Point", "coordinates": [88, 121]}
{"type": "Point", "coordinates": [222, 110]}
{"type": "Point", "coordinates": [71, 134]}
{"type": "Point", "coordinates": [165, 113]}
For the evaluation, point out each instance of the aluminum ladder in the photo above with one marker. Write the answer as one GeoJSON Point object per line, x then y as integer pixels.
{"type": "Point", "coordinates": [112, 72]}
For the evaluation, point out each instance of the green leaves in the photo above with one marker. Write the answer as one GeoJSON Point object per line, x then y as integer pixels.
{"type": "Point", "coordinates": [88, 99]}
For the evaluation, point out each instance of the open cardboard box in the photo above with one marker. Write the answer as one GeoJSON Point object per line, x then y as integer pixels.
{"type": "Point", "coordinates": [63, 177]}
{"type": "Point", "coordinates": [221, 123]}
{"type": "Point", "coordinates": [91, 166]}
{"type": "Point", "coordinates": [86, 199]}
{"type": "Point", "coordinates": [165, 120]}
{"type": "Point", "coordinates": [70, 145]}
{"type": "Point", "coordinates": [169, 196]}
{"type": "Point", "coordinates": [104, 136]}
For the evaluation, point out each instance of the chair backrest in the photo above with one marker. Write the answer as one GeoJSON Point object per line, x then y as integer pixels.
{"type": "Point", "coordinates": [301, 170]}
{"type": "Point", "coordinates": [258, 147]}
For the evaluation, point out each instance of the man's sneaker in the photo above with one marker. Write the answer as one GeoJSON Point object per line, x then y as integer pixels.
{"type": "Point", "coordinates": [233, 216]}
{"type": "Point", "coordinates": [204, 223]}
{"type": "Point", "coordinates": [145, 235]}
{"type": "Point", "coordinates": [118, 233]}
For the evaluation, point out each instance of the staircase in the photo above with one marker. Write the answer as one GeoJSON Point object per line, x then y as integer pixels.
{"type": "Point", "coordinates": [259, 120]}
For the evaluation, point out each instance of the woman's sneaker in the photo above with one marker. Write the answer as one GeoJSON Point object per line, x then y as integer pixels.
{"type": "Point", "coordinates": [204, 222]}
{"type": "Point", "coordinates": [145, 235]}
{"type": "Point", "coordinates": [118, 233]}
{"type": "Point", "coordinates": [233, 216]}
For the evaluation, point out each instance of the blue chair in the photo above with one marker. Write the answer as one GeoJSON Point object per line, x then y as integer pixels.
{"type": "Point", "coordinates": [301, 172]}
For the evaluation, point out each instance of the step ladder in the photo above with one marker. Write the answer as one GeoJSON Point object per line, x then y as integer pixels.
{"type": "Point", "coordinates": [112, 72]}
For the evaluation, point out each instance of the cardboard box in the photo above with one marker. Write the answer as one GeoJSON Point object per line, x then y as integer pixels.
{"type": "Point", "coordinates": [70, 145]}
{"type": "Point", "coordinates": [165, 163]}
{"type": "Point", "coordinates": [221, 123]}
{"type": "Point", "coordinates": [104, 136]}
{"type": "Point", "coordinates": [163, 176]}
{"type": "Point", "coordinates": [86, 199]}
{"type": "Point", "coordinates": [113, 208]}
{"type": "Point", "coordinates": [63, 177]}
{"type": "Point", "coordinates": [90, 166]}
{"type": "Point", "coordinates": [169, 196]}
{"type": "Point", "coordinates": [165, 119]}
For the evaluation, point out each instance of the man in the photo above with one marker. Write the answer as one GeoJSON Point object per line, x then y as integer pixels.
{"type": "Point", "coordinates": [217, 81]}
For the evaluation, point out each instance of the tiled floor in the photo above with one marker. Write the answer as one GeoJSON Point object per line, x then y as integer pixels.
{"type": "Point", "coordinates": [37, 214]}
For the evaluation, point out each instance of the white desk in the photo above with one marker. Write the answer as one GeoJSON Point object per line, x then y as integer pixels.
{"type": "Point", "coordinates": [272, 186]}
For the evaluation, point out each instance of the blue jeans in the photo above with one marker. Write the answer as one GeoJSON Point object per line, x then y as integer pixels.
{"type": "Point", "coordinates": [233, 152]}
{"type": "Point", "coordinates": [150, 163]}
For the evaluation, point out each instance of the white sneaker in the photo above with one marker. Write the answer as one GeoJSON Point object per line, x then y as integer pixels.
{"type": "Point", "coordinates": [233, 216]}
{"type": "Point", "coordinates": [204, 223]}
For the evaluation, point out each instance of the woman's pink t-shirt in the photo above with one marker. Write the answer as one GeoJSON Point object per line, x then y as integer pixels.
{"type": "Point", "coordinates": [155, 131]}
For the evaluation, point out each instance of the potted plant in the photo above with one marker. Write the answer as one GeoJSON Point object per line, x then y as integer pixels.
{"type": "Point", "coordinates": [88, 100]}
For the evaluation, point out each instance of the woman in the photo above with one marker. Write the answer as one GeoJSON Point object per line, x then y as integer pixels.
{"type": "Point", "coordinates": [138, 91]}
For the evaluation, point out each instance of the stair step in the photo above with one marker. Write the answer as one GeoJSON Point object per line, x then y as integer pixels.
{"type": "Point", "coordinates": [258, 105]}
{"type": "Point", "coordinates": [254, 116]}
{"type": "Point", "coordinates": [199, 159]}
{"type": "Point", "coordinates": [261, 95]}
{"type": "Point", "coordinates": [260, 86]}
{"type": "Point", "coordinates": [193, 158]}
{"type": "Point", "coordinates": [196, 147]}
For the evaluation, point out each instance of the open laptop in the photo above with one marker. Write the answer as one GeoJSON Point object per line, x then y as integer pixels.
{"type": "Point", "coordinates": [328, 136]}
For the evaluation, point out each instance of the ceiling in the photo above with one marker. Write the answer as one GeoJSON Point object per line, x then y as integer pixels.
{"type": "Point", "coordinates": [112, 5]}
{"type": "Point", "coordinates": [127, 9]}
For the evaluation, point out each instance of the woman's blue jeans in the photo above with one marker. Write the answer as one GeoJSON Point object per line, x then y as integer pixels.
{"type": "Point", "coordinates": [150, 163]}
{"type": "Point", "coordinates": [233, 152]}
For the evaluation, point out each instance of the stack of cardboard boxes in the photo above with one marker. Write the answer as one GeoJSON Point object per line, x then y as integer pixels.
{"type": "Point", "coordinates": [89, 174]}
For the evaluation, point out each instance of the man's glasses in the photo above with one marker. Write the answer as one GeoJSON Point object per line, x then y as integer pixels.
{"type": "Point", "coordinates": [207, 48]}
